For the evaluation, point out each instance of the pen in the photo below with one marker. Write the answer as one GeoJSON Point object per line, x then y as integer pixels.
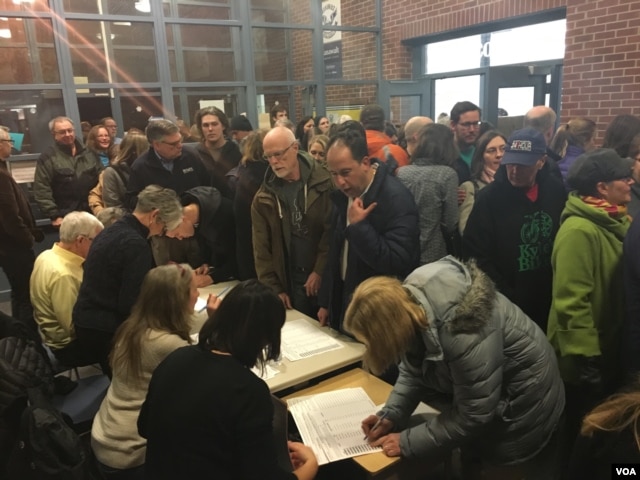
{"type": "Point", "coordinates": [377, 424]}
{"type": "Point", "coordinates": [223, 291]}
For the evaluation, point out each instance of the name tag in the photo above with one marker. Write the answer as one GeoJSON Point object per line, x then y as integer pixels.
{"type": "Point", "coordinates": [187, 170]}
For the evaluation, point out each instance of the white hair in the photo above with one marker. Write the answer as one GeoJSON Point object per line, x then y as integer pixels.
{"type": "Point", "coordinates": [76, 224]}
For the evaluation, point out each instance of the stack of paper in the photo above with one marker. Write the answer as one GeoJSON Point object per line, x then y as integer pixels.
{"type": "Point", "coordinates": [302, 340]}
{"type": "Point", "coordinates": [330, 423]}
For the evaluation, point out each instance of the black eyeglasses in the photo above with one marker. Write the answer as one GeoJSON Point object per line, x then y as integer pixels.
{"type": "Point", "coordinates": [173, 144]}
{"type": "Point", "coordinates": [62, 132]}
{"type": "Point", "coordinates": [8, 140]}
{"type": "Point", "coordinates": [278, 155]}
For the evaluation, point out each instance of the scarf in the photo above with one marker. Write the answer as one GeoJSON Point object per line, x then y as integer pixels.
{"type": "Point", "coordinates": [614, 211]}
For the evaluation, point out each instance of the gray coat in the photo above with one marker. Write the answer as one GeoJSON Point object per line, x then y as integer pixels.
{"type": "Point", "coordinates": [492, 366]}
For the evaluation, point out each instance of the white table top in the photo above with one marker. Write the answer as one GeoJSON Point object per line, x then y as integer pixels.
{"type": "Point", "coordinates": [296, 373]}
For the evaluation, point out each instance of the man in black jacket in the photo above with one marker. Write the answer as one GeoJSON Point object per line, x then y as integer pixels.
{"type": "Point", "coordinates": [208, 220]}
{"type": "Point", "coordinates": [514, 222]}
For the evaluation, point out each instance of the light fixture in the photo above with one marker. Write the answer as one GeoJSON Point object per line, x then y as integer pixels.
{"type": "Point", "coordinates": [18, 2]}
{"type": "Point", "coordinates": [5, 33]}
{"type": "Point", "coordinates": [142, 6]}
{"type": "Point", "coordinates": [99, 36]}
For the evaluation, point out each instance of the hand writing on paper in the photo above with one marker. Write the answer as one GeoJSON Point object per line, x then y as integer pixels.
{"type": "Point", "coordinates": [286, 300]}
{"type": "Point", "coordinates": [213, 302]}
{"type": "Point", "coordinates": [313, 284]}
{"type": "Point", "coordinates": [357, 212]}
{"type": "Point", "coordinates": [390, 444]}
{"type": "Point", "coordinates": [373, 428]}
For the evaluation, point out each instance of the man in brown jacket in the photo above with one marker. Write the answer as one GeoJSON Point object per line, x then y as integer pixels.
{"type": "Point", "coordinates": [290, 222]}
{"type": "Point", "coordinates": [17, 232]}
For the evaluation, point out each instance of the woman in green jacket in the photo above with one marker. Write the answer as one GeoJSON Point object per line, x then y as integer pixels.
{"type": "Point", "coordinates": [587, 310]}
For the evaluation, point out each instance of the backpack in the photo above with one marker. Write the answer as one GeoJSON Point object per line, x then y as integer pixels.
{"type": "Point", "coordinates": [22, 366]}
{"type": "Point", "coordinates": [47, 447]}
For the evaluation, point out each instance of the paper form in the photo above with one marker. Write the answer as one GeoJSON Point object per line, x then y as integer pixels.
{"type": "Point", "coordinates": [269, 372]}
{"type": "Point", "coordinates": [330, 423]}
{"type": "Point", "coordinates": [302, 340]}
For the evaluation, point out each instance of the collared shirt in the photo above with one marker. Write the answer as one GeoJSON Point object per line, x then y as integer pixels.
{"type": "Point", "coordinates": [55, 281]}
{"type": "Point", "coordinates": [167, 164]}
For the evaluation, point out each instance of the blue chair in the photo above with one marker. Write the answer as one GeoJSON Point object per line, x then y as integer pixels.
{"type": "Point", "coordinates": [83, 402]}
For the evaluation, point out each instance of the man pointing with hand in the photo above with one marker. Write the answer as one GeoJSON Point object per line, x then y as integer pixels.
{"type": "Point", "coordinates": [374, 224]}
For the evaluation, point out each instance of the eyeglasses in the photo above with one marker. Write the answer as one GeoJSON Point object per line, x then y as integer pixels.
{"type": "Point", "coordinates": [470, 124]}
{"type": "Point", "coordinates": [278, 155]}
{"type": "Point", "coordinates": [494, 150]}
{"type": "Point", "coordinates": [87, 237]}
{"type": "Point", "coordinates": [173, 144]}
{"type": "Point", "coordinates": [62, 132]}
{"type": "Point", "coordinates": [8, 140]}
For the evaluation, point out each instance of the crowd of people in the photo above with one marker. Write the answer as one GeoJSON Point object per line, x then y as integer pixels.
{"type": "Point", "coordinates": [494, 276]}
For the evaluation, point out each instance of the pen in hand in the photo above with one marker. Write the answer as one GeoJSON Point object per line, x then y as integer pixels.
{"type": "Point", "coordinates": [376, 425]}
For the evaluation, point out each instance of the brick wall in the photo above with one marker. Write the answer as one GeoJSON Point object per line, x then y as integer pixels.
{"type": "Point", "coordinates": [601, 75]}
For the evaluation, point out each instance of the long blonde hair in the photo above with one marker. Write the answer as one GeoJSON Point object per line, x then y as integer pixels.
{"type": "Point", "coordinates": [132, 146]}
{"type": "Point", "coordinates": [163, 304]}
{"type": "Point", "coordinates": [385, 317]}
{"type": "Point", "coordinates": [617, 413]}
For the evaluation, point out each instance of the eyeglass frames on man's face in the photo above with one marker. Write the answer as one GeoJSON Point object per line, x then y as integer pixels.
{"type": "Point", "coordinates": [63, 132]}
{"type": "Point", "coordinates": [173, 144]}
{"type": "Point", "coordinates": [8, 140]}
{"type": "Point", "coordinates": [278, 155]}
{"type": "Point", "coordinates": [470, 124]}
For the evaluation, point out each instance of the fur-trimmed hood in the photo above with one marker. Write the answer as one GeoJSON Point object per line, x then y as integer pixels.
{"type": "Point", "coordinates": [456, 295]}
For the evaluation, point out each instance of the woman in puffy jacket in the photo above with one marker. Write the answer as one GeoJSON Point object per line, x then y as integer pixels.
{"type": "Point", "coordinates": [465, 349]}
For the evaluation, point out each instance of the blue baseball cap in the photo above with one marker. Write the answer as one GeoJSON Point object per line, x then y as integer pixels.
{"type": "Point", "coordinates": [525, 147]}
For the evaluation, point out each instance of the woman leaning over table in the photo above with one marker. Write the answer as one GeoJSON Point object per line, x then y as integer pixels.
{"type": "Point", "coordinates": [207, 415]}
{"type": "Point", "coordinates": [467, 350]}
{"type": "Point", "coordinates": [159, 324]}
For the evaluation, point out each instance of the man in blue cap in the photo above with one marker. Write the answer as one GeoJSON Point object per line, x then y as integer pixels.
{"type": "Point", "coordinates": [513, 224]}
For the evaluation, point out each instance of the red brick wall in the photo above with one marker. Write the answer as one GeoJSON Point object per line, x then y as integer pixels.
{"type": "Point", "coordinates": [602, 61]}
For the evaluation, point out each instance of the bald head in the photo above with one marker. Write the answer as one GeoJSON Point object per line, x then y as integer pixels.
{"type": "Point", "coordinates": [280, 133]}
{"type": "Point", "coordinates": [542, 119]}
{"type": "Point", "coordinates": [411, 129]}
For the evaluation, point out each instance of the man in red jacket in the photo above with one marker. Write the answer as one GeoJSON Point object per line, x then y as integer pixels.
{"type": "Point", "coordinates": [379, 144]}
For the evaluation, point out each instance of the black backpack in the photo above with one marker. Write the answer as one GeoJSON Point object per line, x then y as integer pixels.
{"type": "Point", "coordinates": [47, 447]}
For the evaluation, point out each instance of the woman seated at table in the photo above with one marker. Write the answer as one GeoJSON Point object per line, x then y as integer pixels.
{"type": "Point", "coordinates": [159, 324]}
{"type": "Point", "coordinates": [207, 415]}
{"type": "Point", "coordinates": [467, 350]}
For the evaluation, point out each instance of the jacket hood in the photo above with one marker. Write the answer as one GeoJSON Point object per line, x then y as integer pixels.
{"type": "Point", "coordinates": [456, 295]}
{"type": "Point", "coordinates": [207, 198]}
{"type": "Point", "coordinates": [575, 207]}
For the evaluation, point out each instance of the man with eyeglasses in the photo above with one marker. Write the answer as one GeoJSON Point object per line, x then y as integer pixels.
{"type": "Point", "coordinates": [55, 282]}
{"type": "Point", "coordinates": [64, 173]}
{"type": "Point", "coordinates": [112, 127]}
{"type": "Point", "coordinates": [465, 124]}
{"type": "Point", "coordinates": [167, 163]}
{"type": "Point", "coordinates": [290, 217]}
{"type": "Point", "coordinates": [17, 235]}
